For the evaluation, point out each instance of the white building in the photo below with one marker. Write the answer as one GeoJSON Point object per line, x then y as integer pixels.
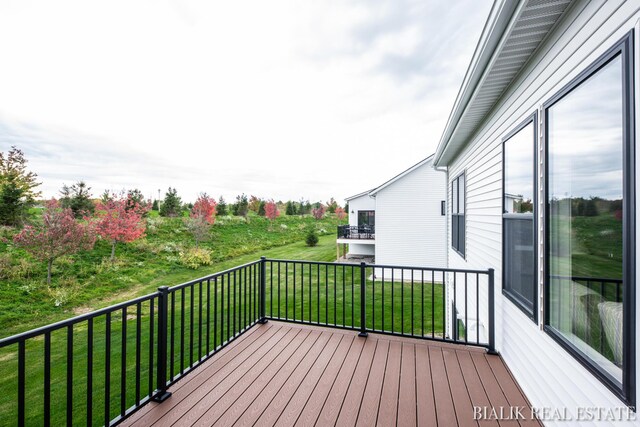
{"type": "Point", "coordinates": [402, 222]}
{"type": "Point", "coordinates": [547, 111]}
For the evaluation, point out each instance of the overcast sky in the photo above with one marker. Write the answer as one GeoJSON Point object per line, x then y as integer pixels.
{"type": "Point", "coordinates": [281, 99]}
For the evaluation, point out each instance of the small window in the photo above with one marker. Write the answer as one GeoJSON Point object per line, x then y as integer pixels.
{"type": "Point", "coordinates": [518, 218]}
{"type": "Point", "coordinates": [366, 218]}
{"type": "Point", "coordinates": [457, 214]}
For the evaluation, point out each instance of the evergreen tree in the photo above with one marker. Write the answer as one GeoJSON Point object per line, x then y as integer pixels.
{"type": "Point", "coordinates": [17, 186]}
{"type": "Point", "coordinates": [172, 204]}
{"type": "Point", "coordinates": [221, 208]}
{"type": "Point", "coordinates": [291, 208]}
{"type": "Point", "coordinates": [155, 205]}
{"type": "Point", "coordinates": [77, 198]}
{"type": "Point", "coordinates": [241, 207]}
{"type": "Point", "coordinates": [261, 208]}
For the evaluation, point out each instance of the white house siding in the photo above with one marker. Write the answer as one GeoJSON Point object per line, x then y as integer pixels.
{"type": "Point", "coordinates": [549, 376]}
{"type": "Point", "coordinates": [410, 230]}
{"type": "Point", "coordinates": [362, 203]}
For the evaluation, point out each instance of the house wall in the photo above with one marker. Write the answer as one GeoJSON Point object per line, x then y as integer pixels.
{"type": "Point", "coordinates": [362, 203]}
{"type": "Point", "coordinates": [410, 229]}
{"type": "Point", "coordinates": [548, 375]}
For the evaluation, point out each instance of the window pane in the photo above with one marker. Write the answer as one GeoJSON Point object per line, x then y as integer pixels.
{"type": "Point", "coordinates": [461, 193]}
{"type": "Point", "coordinates": [518, 249]}
{"type": "Point", "coordinates": [454, 196]}
{"type": "Point", "coordinates": [518, 171]}
{"type": "Point", "coordinates": [585, 218]}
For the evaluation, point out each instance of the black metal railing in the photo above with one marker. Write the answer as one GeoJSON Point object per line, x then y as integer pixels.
{"type": "Point", "coordinates": [100, 367]}
{"type": "Point", "coordinates": [405, 301]}
{"type": "Point", "coordinates": [356, 232]}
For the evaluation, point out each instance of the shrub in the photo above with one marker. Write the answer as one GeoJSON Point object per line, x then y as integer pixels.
{"type": "Point", "coordinates": [312, 238]}
{"type": "Point", "coordinates": [194, 258]}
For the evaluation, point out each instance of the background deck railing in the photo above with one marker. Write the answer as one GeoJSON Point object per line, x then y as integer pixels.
{"type": "Point", "coordinates": [100, 367]}
{"type": "Point", "coordinates": [361, 232]}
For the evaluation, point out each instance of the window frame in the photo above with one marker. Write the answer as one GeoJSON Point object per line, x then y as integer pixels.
{"type": "Point", "coordinates": [515, 299]}
{"type": "Point", "coordinates": [456, 203]}
{"type": "Point", "coordinates": [369, 213]}
{"type": "Point", "coordinates": [627, 392]}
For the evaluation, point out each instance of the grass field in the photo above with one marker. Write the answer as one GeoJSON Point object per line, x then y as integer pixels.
{"type": "Point", "coordinates": [322, 295]}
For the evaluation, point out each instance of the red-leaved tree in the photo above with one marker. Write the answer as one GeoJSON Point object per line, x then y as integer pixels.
{"type": "Point", "coordinates": [203, 215]}
{"type": "Point", "coordinates": [205, 208]}
{"type": "Point", "coordinates": [271, 211]}
{"type": "Point", "coordinates": [59, 234]}
{"type": "Point", "coordinates": [120, 220]}
{"type": "Point", "coordinates": [318, 213]}
{"type": "Point", "coordinates": [340, 213]}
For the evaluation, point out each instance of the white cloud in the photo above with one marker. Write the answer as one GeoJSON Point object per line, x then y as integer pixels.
{"type": "Point", "coordinates": [281, 99]}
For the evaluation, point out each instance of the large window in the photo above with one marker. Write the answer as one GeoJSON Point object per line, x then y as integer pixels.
{"type": "Point", "coordinates": [589, 292]}
{"type": "Point", "coordinates": [457, 213]}
{"type": "Point", "coordinates": [519, 281]}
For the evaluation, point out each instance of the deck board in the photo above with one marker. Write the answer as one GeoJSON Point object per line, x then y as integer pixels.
{"type": "Point", "coordinates": [285, 374]}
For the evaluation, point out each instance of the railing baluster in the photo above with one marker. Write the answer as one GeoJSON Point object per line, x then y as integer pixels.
{"type": "Point", "coordinates": [47, 379]}
{"type": "Point", "coordinates": [70, 375]}
{"type": "Point", "coordinates": [271, 288]}
{"type": "Point", "coordinates": [466, 311]}
{"type": "Point", "coordinates": [382, 307]}
{"type": "Point", "coordinates": [433, 302]}
{"type": "Point", "coordinates": [263, 284]}
{"type": "Point", "coordinates": [191, 320]}
{"type": "Point", "coordinates": [402, 301]}
{"type": "Point", "coordinates": [422, 301]}
{"type": "Point", "coordinates": [151, 343]}
{"type": "Point", "coordinates": [182, 314]}
{"type": "Point", "coordinates": [172, 346]}
{"type": "Point", "coordinates": [286, 289]}
{"type": "Point", "coordinates": [455, 309]}
{"type": "Point", "coordinates": [335, 295]}
{"type": "Point", "coordinates": [215, 313]}
{"type": "Point", "coordinates": [344, 298]}
{"type": "Point", "coordinates": [199, 321]}
{"type": "Point", "coordinates": [138, 349]}
{"type": "Point", "coordinates": [302, 292]}
{"type": "Point", "coordinates": [477, 308]}
{"type": "Point", "coordinates": [123, 364]}
{"type": "Point", "coordinates": [353, 302]}
{"type": "Point", "coordinates": [326, 295]}
{"type": "Point", "coordinates": [393, 285]}
{"type": "Point", "coordinates": [373, 299]}
{"type": "Point", "coordinates": [89, 374]}
{"type": "Point", "coordinates": [318, 285]}
{"type": "Point", "coordinates": [208, 347]}
{"type": "Point", "coordinates": [491, 303]}
{"type": "Point", "coordinates": [21, 383]}
{"type": "Point", "coordinates": [107, 370]}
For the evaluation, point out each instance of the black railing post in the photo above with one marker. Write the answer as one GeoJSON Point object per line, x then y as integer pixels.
{"type": "Point", "coordinates": [161, 394]}
{"type": "Point", "coordinates": [263, 290]}
{"type": "Point", "coordinates": [363, 300]}
{"type": "Point", "coordinates": [492, 323]}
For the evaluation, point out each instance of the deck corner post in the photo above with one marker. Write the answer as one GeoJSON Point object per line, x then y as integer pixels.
{"type": "Point", "coordinates": [363, 300]}
{"type": "Point", "coordinates": [263, 290]}
{"type": "Point", "coordinates": [492, 323]}
{"type": "Point", "coordinates": [161, 394]}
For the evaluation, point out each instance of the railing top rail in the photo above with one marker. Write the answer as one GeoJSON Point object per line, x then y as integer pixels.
{"type": "Point", "coordinates": [592, 279]}
{"type": "Point", "coordinates": [397, 267]}
{"type": "Point", "coordinates": [13, 339]}
{"type": "Point", "coordinates": [212, 276]}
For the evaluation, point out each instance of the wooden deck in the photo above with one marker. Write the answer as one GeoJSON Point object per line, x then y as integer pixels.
{"type": "Point", "coordinates": [283, 374]}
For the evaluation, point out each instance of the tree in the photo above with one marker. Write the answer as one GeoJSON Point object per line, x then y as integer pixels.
{"type": "Point", "coordinates": [332, 205]}
{"type": "Point", "coordinates": [261, 208]}
{"type": "Point", "coordinates": [203, 215]}
{"type": "Point", "coordinates": [136, 200]}
{"type": "Point", "coordinates": [78, 199]}
{"type": "Point", "coordinates": [241, 207]}
{"type": "Point", "coordinates": [155, 207]}
{"type": "Point", "coordinates": [120, 220]}
{"type": "Point", "coordinates": [254, 203]}
{"type": "Point", "coordinates": [222, 206]}
{"type": "Point", "coordinates": [17, 186]}
{"type": "Point", "coordinates": [340, 213]}
{"type": "Point", "coordinates": [59, 234]}
{"type": "Point", "coordinates": [172, 204]}
{"type": "Point", "coordinates": [318, 213]}
{"type": "Point", "coordinates": [271, 211]}
{"type": "Point", "coordinates": [291, 208]}
{"type": "Point", "coordinates": [312, 238]}
{"type": "Point", "coordinates": [204, 207]}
